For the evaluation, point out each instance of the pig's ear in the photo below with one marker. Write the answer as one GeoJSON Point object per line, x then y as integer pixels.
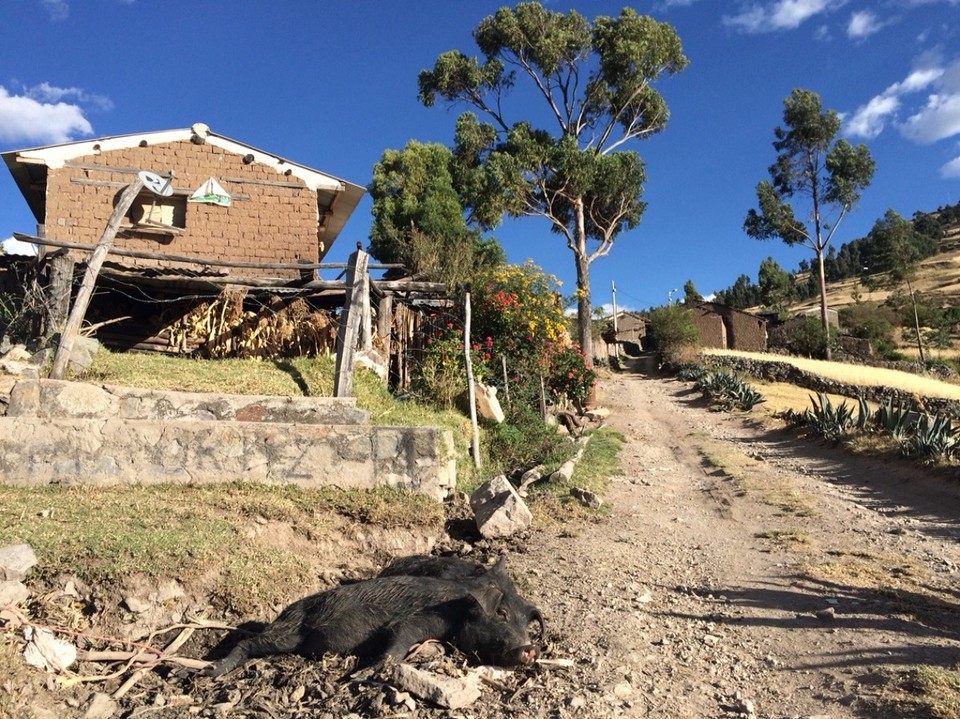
{"type": "Point", "coordinates": [489, 597]}
{"type": "Point", "coordinates": [499, 569]}
{"type": "Point", "coordinates": [534, 615]}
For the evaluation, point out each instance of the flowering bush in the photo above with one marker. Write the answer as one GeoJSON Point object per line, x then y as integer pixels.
{"type": "Point", "coordinates": [517, 321]}
{"type": "Point", "coordinates": [519, 313]}
{"type": "Point", "coordinates": [569, 375]}
{"type": "Point", "coordinates": [440, 375]}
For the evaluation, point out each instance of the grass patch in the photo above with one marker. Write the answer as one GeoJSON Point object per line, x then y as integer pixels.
{"type": "Point", "coordinates": [551, 502]}
{"type": "Point", "coordinates": [751, 476]}
{"type": "Point", "coordinates": [301, 376]}
{"type": "Point", "coordinates": [936, 690]}
{"type": "Point", "coordinates": [104, 535]}
{"type": "Point", "coordinates": [785, 538]}
{"type": "Point", "coordinates": [863, 570]}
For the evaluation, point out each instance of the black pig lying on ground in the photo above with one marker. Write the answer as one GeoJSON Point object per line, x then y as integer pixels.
{"type": "Point", "coordinates": [385, 616]}
{"type": "Point", "coordinates": [514, 608]}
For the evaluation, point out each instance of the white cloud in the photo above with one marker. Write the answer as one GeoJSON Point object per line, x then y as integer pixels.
{"type": "Point", "coordinates": [24, 119]}
{"type": "Point", "coordinates": [47, 93]}
{"type": "Point", "coordinates": [780, 15]}
{"type": "Point", "coordinates": [58, 9]}
{"type": "Point", "coordinates": [938, 120]}
{"type": "Point", "coordinates": [951, 169]}
{"type": "Point", "coordinates": [863, 24]}
{"type": "Point", "coordinates": [869, 119]}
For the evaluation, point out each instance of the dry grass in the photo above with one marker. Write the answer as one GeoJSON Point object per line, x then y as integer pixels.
{"type": "Point", "coordinates": [785, 538]}
{"type": "Point", "coordinates": [106, 534]}
{"type": "Point", "coordinates": [751, 476]}
{"type": "Point", "coordinates": [856, 374]}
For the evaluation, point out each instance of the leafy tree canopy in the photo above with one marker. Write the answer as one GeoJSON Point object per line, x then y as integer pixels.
{"type": "Point", "coordinates": [418, 219]}
{"type": "Point", "coordinates": [595, 81]}
{"type": "Point", "coordinates": [816, 170]}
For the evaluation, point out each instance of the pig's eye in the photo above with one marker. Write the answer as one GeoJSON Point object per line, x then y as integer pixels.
{"type": "Point", "coordinates": [503, 612]}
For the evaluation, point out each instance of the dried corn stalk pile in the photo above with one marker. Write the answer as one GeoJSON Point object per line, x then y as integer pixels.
{"type": "Point", "coordinates": [279, 328]}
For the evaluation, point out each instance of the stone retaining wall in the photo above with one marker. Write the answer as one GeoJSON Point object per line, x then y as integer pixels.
{"type": "Point", "coordinates": [70, 433]}
{"type": "Point", "coordinates": [774, 371]}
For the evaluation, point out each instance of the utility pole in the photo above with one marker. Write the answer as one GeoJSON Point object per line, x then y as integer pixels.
{"type": "Point", "coordinates": [613, 301]}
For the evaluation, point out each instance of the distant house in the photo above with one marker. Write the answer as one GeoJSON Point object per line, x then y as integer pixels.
{"type": "Point", "coordinates": [227, 215]}
{"type": "Point", "coordinates": [631, 331]}
{"type": "Point", "coordinates": [724, 327]}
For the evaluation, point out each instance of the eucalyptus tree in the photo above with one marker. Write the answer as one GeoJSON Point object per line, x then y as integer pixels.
{"type": "Point", "coordinates": [418, 218]}
{"type": "Point", "coordinates": [774, 286]}
{"type": "Point", "coordinates": [823, 175]}
{"type": "Point", "coordinates": [896, 241]}
{"type": "Point", "coordinates": [565, 161]}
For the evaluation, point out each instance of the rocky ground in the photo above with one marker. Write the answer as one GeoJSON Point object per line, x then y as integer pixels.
{"type": "Point", "coordinates": [740, 572]}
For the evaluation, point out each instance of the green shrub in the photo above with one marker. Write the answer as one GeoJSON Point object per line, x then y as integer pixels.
{"type": "Point", "coordinates": [523, 441]}
{"type": "Point", "coordinates": [672, 330]}
{"type": "Point", "coordinates": [810, 340]}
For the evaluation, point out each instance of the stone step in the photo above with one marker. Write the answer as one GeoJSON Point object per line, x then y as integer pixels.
{"type": "Point", "coordinates": [39, 450]}
{"type": "Point", "coordinates": [56, 399]}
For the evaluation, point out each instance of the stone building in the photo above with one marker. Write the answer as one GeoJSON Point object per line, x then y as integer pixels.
{"type": "Point", "coordinates": [726, 328]}
{"type": "Point", "coordinates": [228, 216]}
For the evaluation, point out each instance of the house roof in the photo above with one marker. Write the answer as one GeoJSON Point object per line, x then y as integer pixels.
{"type": "Point", "coordinates": [336, 198]}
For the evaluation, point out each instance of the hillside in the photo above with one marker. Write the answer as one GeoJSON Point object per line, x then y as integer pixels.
{"type": "Point", "coordinates": [939, 274]}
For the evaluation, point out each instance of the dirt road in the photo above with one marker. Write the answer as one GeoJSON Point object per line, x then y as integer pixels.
{"type": "Point", "coordinates": [741, 572]}
{"type": "Point", "coordinates": [746, 573]}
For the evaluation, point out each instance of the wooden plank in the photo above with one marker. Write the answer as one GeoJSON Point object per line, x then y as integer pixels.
{"type": "Point", "coordinates": [357, 285]}
{"type": "Point", "coordinates": [96, 167]}
{"type": "Point", "coordinates": [176, 191]}
{"type": "Point", "coordinates": [268, 183]}
{"type": "Point", "coordinates": [211, 261]}
{"type": "Point", "coordinates": [79, 310]}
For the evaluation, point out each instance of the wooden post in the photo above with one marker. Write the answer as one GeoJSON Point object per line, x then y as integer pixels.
{"type": "Point", "coordinates": [358, 285]}
{"type": "Point", "coordinates": [385, 329]}
{"type": "Point", "coordinates": [471, 392]}
{"type": "Point", "coordinates": [366, 320]}
{"type": "Point", "coordinates": [60, 266]}
{"type": "Point", "coordinates": [79, 310]}
{"type": "Point", "coordinates": [506, 381]}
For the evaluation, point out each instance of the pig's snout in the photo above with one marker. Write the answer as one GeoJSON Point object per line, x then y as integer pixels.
{"type": "Point", "coordinates": [526, 654]}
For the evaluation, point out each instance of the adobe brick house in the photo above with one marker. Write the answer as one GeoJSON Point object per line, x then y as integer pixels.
{"type": "Point", "coordinates": [271, 211]}
{"type": "Point", "coordinates": [631, 332]}
{"type": "Point", "coordinates": [727, 328]}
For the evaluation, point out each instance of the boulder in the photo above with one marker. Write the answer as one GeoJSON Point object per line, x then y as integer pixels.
{"type": "Point", "coordinates": [15, 561]}
{"type": "Point", "coordinates": [488, 406]}
{"type": "Point", "coordinates": [498, 509]}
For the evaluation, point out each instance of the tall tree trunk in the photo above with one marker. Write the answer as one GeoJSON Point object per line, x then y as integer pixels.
{"type": "Point", "coordinates": [584, 313]}
{"type": "Point", "coordinates": [824, 321]}
{"type": "Point", "coordinates": [584, 310]}
{"type": "Point", "coordinates": [916, 321]}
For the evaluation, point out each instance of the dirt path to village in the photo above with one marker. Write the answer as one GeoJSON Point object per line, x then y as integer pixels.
{"type": "Point", "coordinates": [745, 573]}
{"type": "Point", "coordinates": [741, 572]}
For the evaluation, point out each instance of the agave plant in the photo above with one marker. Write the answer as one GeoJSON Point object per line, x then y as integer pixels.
{"type": "Point", "coordinates": [690, 372]}
{"type": "Point", "coordinates": [828, 421]}
{"type": "Point", "coordinates": [895, 420]}
{"type": "Point", "coordinates": [747, 397]}
{"type": "Point", "coordinates": [727, 391]}
{"type": "Point", "coordinates": [935, 438]}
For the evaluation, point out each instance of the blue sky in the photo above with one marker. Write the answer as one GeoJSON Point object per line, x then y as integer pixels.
{"type": "Point", "coordinates": [332, 85]}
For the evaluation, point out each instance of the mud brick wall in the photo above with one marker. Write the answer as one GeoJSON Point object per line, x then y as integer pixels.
{"type": "Point", "coordinates": [273, 216]}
